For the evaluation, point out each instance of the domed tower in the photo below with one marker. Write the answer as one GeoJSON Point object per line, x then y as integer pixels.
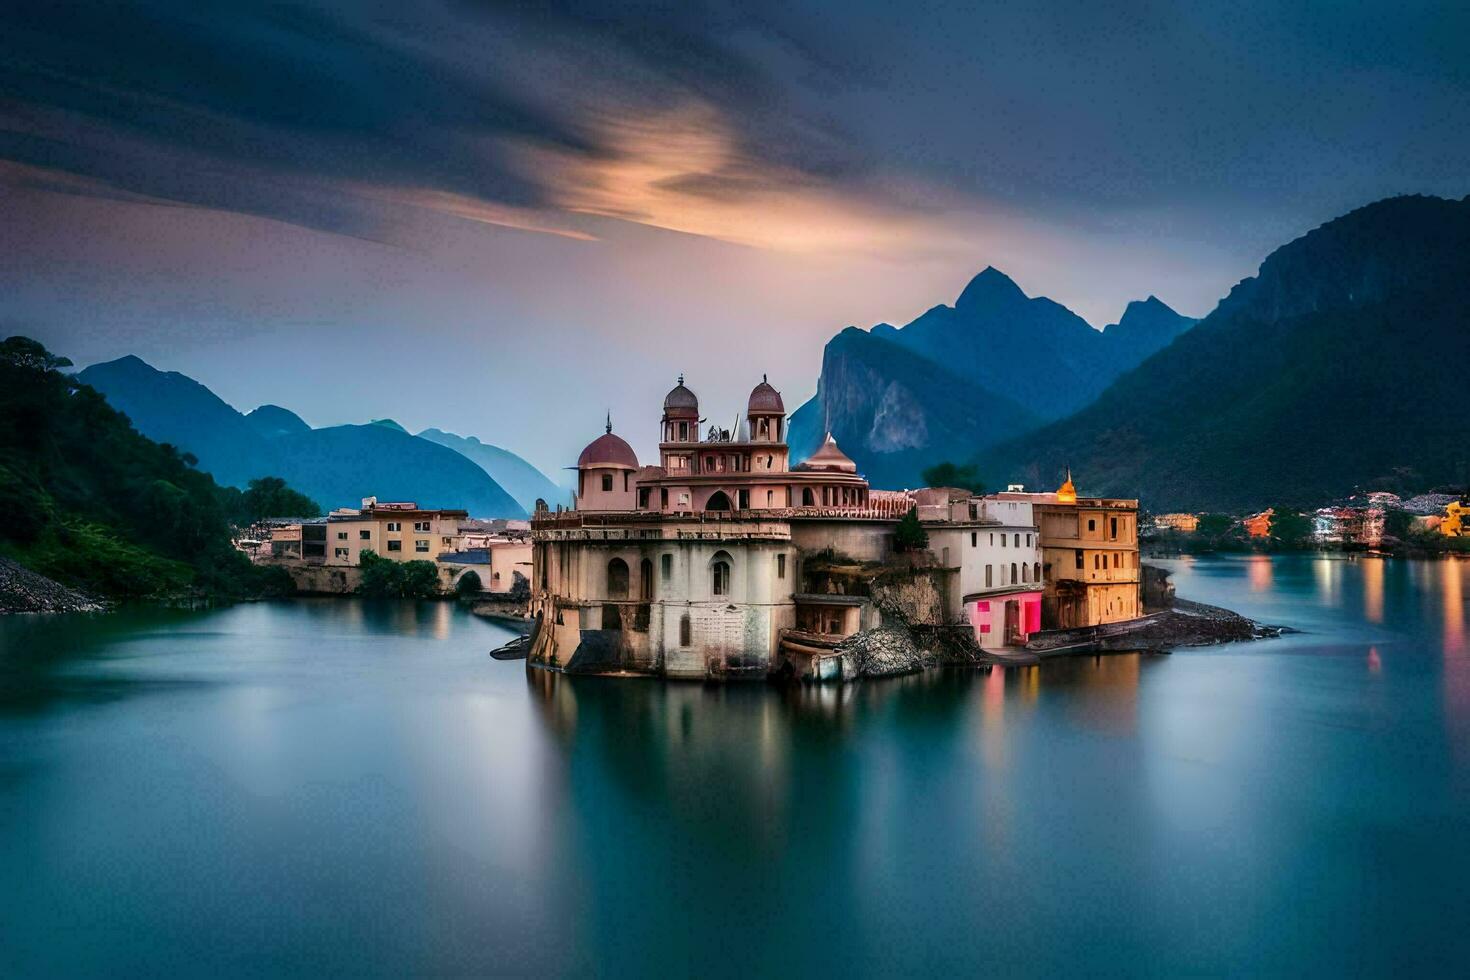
{"type": "Point", "coordinates": [766, 413]}
{"type": "Point", "coordinates": [605, 472]}
{"type": "Point", "coordinates": [681, 414]}
{"type": "Point", "coordinates": [1067, 492]}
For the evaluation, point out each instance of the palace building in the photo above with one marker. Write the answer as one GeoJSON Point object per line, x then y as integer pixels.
{"type": "Point", "coordinates": [725, 560]}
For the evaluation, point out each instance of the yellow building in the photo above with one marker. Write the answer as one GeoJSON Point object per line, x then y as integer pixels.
{"type": "Point", "coordinates": [1185, 523]}
{"type": "Point", "coordinates": [1090, 563]}
{"type": "Point", "coordinates": [398, 531]}
{"type": "Point", "coordinates": [1455, 524]}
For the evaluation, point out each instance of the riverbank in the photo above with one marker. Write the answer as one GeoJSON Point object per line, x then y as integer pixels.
{"type": "Point", "coordinates": [1184, 624]}
{"type": "Point", "coordinates": [25, 591]}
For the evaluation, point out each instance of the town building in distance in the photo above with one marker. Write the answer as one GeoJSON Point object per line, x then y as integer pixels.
{"type": "Point", "coordinates": [724, 560]}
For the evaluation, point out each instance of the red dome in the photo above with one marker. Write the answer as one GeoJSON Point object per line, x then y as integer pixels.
{"type": "Point", "coordinates": [765, 400]}
{"type": "Point", "coordinates": [608, 450]}
{"type": "Point", "coordinates": [681, 402]}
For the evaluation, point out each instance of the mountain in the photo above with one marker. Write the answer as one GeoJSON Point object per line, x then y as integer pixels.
{"type": "Point", "coordinates": [1032, 358]}
{"type": "Point", "coordinates": [1343, 361]}
{"type": "Point", "coordinates": [888, 407]}
{"type": "Point", "coordinates": [336, 466]}
{"type": "Point", "coordinates": [1146, 326]}
{"type": "Point", "coordinates": [520, 479]}
{"type": "Point", "coordinates": [273, 420]}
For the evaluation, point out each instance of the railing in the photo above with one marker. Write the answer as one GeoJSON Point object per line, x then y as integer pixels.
{"type": "Point", "coordinates": [882, 505]}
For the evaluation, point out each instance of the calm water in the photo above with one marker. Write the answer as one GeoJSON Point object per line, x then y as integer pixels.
{"type": "Point", "coordinates": [326, 786]}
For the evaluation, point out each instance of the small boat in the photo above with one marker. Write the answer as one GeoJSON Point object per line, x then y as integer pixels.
{"type": "Point", "coordinates": [516, 649]}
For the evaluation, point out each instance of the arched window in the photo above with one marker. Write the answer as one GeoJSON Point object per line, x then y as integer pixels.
{"type": "Point", "coordinates": [719, 500]}
{"type": "Point", "coordinates": [1036, 573]}
{"type": "Point", "coordinates": [1025, 574]}
{"type": "Point", "coordinates": [685, 637]}
{"type": "Point", "coordinates": [1013, 573]}
{"type": "Point", "coordinates": [617, 579]}
{"type": "Point", "coordinates": [645, 580]}
{"type": "Point", "coordinates": [720, 574]}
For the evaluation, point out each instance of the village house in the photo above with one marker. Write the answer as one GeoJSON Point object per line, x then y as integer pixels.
{"type": "Point", "coordinates": [1183, 523]}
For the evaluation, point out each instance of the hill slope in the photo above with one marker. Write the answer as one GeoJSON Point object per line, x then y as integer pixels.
{"type": "Point", "coordinates": [1341, 362]}
{"type": "Point", "coordinates": [520, 479]}
{"type": "Point", "coordinates": [336, 466]}
{"type": "Point", "coordinates": [888, 407]}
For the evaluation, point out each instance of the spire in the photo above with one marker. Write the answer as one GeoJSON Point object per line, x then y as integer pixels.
{"type": "Point", "coordinates": [764, 379]}
{"type": "Point", "coordinates": [609, 422]}
{"type": "Point", "coordinates": [681, 377]}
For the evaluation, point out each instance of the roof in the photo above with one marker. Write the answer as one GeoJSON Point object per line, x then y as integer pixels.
{"type": "Point", "coordinates": [681, 401]}
{"type": "Point", "coordinates": [608, 450]}
{"type": "Point", "coordinates": [765, 400]}
{"type": "Point", "coordinates": [829, 457]}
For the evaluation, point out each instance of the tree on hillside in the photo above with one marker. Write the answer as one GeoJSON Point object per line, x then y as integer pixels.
{"type": "Point", "coordinates": [268, 496]}
{"type": "Point", "coordinates": [1290, 528]}
{"type": "Point", "coordinates": [965, 476]}
{"type": "Point", "coordinates": [1214, 525]}
{"type": "Point", "coordinates": [88, 500]}
{"type": "Point", "coordinates": [910, 534]}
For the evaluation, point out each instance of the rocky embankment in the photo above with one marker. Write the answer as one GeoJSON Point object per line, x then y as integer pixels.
{"type": "Point", "coordinates": [23, 591]}
{"type": "Point", "coordinates": [1183, 624]}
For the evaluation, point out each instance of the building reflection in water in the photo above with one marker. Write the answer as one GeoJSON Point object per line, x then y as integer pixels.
{"type": "Point", "coordinates": [1373, 589]}
{"type": "Point", "coordinates": [1260, 573]}
{"type": "Point", "coordinates": [1326, 571]}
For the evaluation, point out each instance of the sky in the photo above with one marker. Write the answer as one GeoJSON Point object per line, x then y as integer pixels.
{"type": "Point", "coordinates": [508, 219]}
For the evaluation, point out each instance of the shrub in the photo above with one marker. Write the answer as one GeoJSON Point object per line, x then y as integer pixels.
{"type": "Point", "coordinates": [910, 534]}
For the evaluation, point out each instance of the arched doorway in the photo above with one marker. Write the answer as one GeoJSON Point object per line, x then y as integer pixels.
{"type": "Point", "coordinates": [617, 579]}
{"type": "Point", "coordinates": [719, 500]}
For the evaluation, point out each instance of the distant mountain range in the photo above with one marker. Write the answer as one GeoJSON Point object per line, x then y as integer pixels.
{"type": "Point", "coordinates": [1344, 361]}
{"type": "Point", "coordinates": [961, 378]}
{"type": "Point", "coordinates": [336, 466]}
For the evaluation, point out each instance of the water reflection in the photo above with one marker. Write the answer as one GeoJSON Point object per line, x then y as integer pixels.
{"type": "Point", "coordinates": [1261, 570]}
{"type": "Point", "coordinates": [1373, 589]}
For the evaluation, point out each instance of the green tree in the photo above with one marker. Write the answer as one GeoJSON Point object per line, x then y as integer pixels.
{"type": "Point", "coordinates": [269, 496]}
{"type": "Point", "coordinates": [910, 534]}
{"type": "Point", "coordinates": [420, 579]}
{"type": "Point", "coordinates": [1214, 525]}
{"type": "Point", "coordinates": [966, 476]}
{"type": "Point", "coordinates": [383, 578]}
{"type": "Point", "coordinates": [1290, 528]}
{"type": "Point", "coordinates": [1398, 523]}
{"type": "Point", "coordinates": [469, 584]}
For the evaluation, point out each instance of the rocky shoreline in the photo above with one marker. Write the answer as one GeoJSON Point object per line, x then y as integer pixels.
{"type": "Point", "coordinates": [24, 591]}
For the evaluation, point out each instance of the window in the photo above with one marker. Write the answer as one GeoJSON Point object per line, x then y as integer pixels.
{"type": "Point", "coordinates": [988, 570]}
{"type": "Point", "coordinates": [339, 552]}
{"type": "Point", "coordinates": [1096, 561]}
{"type": "Point", "coordinates": [807, 500]}
{"type": "Point", "coordinates": [395, 545]}
{"type": "Point", "coordinates": [720, 574]}
{"type": "Point", "coordinates": [743, 498]}
{"type": "Point", "coordinates": [395, 526]}
{"type": "Point", "coordinates": [1079, 557]}
{"type": "Point", "coordinates": [617, 579]}
{"type": "Point", "coordinates": [780, 566]}
{"type": "Point", "coordinates": [683, 501]}
{"type": "Point", "coordinates": [645, 580]}
{"type": "Point", "coordinates": [643, 495]}
{"type": "Point", "coordinates": [770, 498]}
{"type": "Point", "coordinates": [974, 539]}
{"type": "Point", "coordinates": [684, 631]}
{"type": "Point", "coordinates": [341, 535]}
{"type": "Point", "coordinates": [665, 566]}
{"type": "Point", "coordinates": [663, 498]}
{"type": "Point", "coordinates": [1013, 573]}
{"type": "Point", "coordinates": [1028, 540]}
{"type": "Point", "coordinates": [365, 535]}
{"type": "Point", "coordinates": [1091, 524]}
{"type": "Point", "coordinates": [421, 525]}
{"type": "Point", "coordinates": [421, 545]}
{"type": "Point", "coordinates": [1017, 541]}
{"type": "Point", "coordinates": [1036, 573]}
{"type": "Point", "coordinates": [1025, 574]}
{"type": "Point", "coordinates": [944, 558]}
{"type": "Point", "coordinates": [1117, 559]}
{"type": "Point", "coordinates": [992, 539]}
{"type": "Point", "coordinates": [606, 482]}
{"type": "Point", "coordinates": [1112, 527]}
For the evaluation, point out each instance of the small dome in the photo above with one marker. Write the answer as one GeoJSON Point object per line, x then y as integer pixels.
{"type": "Point", "coordinates": [765, 400]}
{"type": "Point", "coordinates": [829, 458]}
{"type": "Point", "coordinates": [608, 450]}
{"type": "Point", "coordinates": [681, 401]}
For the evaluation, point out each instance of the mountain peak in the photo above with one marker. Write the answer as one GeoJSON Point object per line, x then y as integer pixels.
{"type": "Point", "coordinates": [389, 424]}
{"type": "Point", "coordinates": [990, 287]}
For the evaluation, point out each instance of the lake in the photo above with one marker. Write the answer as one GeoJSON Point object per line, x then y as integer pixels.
{"type": "Point", "coordinates": [320, 786]}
